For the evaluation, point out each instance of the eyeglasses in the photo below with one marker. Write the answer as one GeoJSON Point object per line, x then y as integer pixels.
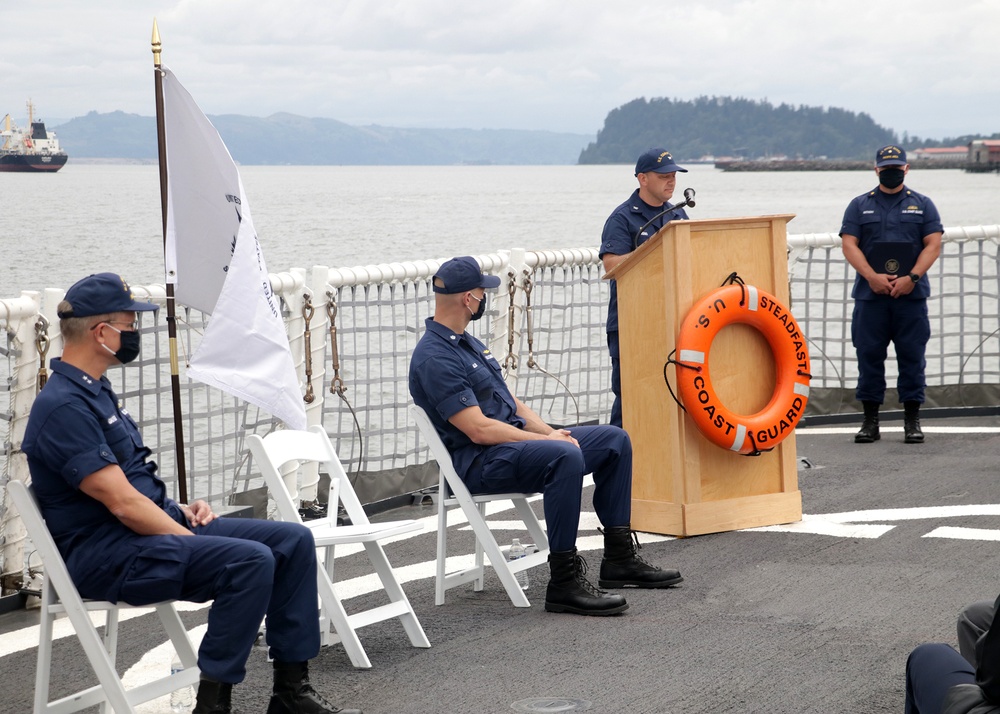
{"type": "Point", "coordinates": [134, 325]}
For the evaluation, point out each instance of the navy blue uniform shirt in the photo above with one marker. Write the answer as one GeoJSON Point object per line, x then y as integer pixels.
{"type": "Point", "coordinates": [451, 372]}
{"type": "Point", "coordinates": [77, 427]}
{"type": "Point", "coordinates": [879, 217]}
{"type": "Point", "coordinates": [619, 237]}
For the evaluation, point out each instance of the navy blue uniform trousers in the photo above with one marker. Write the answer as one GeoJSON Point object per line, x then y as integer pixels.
{"type": "Point", "coordinates": [931, 670]}
{"type": "Point", "coordinates": [556, 469]}
{"type": "Point", "coordinates": [616, 379]}
{"type": "Point", "coordinates": [874, 325]}
{"type": "Point", "coordinates": [249, 569]}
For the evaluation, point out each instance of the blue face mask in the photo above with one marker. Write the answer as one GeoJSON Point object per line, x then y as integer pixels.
{"type": "Point", "coordinates": [130, 345]}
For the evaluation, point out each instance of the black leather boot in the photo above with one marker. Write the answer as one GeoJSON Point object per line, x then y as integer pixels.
{"type": "Point", "coordinates": [213, 697]}
{"type": "Point", "coordinates": [912, 433]}
{"type": "Point", "coordinates": [622, 565]}
{"type": "Point", "coordinates": [294, 695]}
{"type": "Point", "coordinates": [570, 591]}
{"type": "Point", "coordinates": [869, 427]}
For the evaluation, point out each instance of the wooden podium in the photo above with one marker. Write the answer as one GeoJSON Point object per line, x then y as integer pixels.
{"type": "Point", "coordinates": [682, 484]}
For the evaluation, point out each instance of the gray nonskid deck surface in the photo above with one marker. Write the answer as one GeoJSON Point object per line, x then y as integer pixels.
{"type": "Point", "coordinates": [764, 621]}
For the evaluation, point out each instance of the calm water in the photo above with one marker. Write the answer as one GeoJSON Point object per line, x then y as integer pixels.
{"type": "Point", "coordinates": [88, 218]}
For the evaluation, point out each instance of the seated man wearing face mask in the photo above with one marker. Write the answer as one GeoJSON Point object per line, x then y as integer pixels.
{"type": "Point", "coordinates": [122, 537]}
{"type": "Point", "coordinates": [499, 445]}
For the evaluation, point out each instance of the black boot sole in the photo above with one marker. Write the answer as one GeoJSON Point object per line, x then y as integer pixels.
{"type": "Point", "coordinates": [610, 584]}
{"type": "Point", "coordinates": [914, 439]}
{"type": "Point", "coordinates": [866, 439]}
{"type": "Point", "coordinates": [558, 607]}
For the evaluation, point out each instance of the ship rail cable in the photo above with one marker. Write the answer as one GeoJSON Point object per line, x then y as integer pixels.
{"type": "Point", "coordinates": [738, 303]}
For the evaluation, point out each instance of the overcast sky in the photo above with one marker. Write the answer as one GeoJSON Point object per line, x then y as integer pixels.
{"type": "Point", "coordinates": [927, 67]}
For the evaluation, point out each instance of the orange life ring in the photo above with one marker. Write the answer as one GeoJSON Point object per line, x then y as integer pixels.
{"type": "Point", "coordinates": [743, 433]}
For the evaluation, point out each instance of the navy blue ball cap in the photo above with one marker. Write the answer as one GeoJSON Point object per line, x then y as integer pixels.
{"type": "Point", "coordinates": [890, 156]}
{"type": "Point", "coordinates": [657, 161]}
{"type": "Point", "coordinates": [461, 274]}
{"type": "Point", "coordinates": [101, 294]}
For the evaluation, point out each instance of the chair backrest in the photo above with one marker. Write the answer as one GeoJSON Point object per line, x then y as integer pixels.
{"type": "Point", "coordinates": [279, 456]}
{"type": "Point", "coordinates": [31, 515]}
{"type": "Point", "coordinates": [440, 453]}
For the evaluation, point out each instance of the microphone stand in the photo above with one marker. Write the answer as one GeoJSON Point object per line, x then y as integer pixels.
{"type": "Point", "coordinates": [688, 202]}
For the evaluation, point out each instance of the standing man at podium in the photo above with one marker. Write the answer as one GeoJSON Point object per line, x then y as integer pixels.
{"type": "Point", "coordinates": [891, 236]}
{"type": "Point", "coordinates": [630, 225]}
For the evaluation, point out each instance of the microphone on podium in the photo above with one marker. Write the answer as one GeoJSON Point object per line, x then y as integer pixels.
{"type": "Point", "coordinates": [688, 202]}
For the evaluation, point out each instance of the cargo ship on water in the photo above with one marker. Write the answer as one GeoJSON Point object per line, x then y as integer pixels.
{"type": "Point", "coordinates": [34, 149]}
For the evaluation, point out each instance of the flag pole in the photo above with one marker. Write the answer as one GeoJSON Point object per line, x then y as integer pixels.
{"type": "Point", "coordinates": [175, 380]}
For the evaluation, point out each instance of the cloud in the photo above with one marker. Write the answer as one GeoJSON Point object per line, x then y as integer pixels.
{"type": "Point", "coordinates": [519, 64]}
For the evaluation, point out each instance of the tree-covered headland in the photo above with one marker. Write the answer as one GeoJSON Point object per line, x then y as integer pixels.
{"type": "Point", "coordinates": [734, 127]}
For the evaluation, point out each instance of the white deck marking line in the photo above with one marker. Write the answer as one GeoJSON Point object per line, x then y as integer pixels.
{"type": "Point", "coordinates": [821, 525]}
{"type": "Point", "coordinates": [851, 524]}
{"type": "Point", "coordinates": [838, 430]}
{"type": "Point", "coordinates": [960, 533]}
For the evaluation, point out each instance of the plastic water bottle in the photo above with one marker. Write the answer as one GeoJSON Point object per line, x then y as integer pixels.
{"type": "Point", "coordinates": [518, 551]}
{"type": "Point", "coordinates": [181, 700]}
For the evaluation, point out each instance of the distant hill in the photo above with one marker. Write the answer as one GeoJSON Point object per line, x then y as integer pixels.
{"type": "Point", "coordinates": [727, 126]}
{"type": "Point", "coordinates": [294, 140]}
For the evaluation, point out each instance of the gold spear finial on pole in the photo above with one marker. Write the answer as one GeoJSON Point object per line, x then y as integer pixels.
{"type": "Point", "coordinates": [156, 44]}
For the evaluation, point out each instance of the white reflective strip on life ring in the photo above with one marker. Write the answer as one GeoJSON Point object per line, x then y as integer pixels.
{"type": "Point", "coordinates": [801, 389]}
{"type": "Point", "coordinates": [754, 301]}
{"type": "Point", "coordinates": [693, 356]}
{"type": "Point", "coordinates": [741, 435]}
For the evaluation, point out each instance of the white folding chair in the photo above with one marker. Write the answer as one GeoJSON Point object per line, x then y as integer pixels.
{"type": "Point", "coordinates": [282, 452]}
{"type": "Point", "coordinates": [474, 508]}
{"type": "Point", "coordinates": [59, 596]}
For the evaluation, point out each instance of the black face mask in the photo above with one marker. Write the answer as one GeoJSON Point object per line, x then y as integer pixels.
{"type": "Point", "coordinates": [481, 310]}
{"type": "Point", "coordinates": [130, 345]}
{"type": "Point", "coordinates": [891, 177]}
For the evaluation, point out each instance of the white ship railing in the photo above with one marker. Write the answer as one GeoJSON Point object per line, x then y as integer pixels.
{"type": "Point", "coordinates": [559, 367]}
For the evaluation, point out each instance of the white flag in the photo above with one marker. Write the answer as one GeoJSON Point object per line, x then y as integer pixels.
{"type": "Point", "coordinates": [214, 260]}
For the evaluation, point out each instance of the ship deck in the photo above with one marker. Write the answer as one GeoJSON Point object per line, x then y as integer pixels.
{"type": "Point", "coordinates": [818, 616]}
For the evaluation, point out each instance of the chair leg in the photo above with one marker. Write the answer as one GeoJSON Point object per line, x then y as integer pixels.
{"type": "Point", "coordinates": [531, 521]}
{"type": "Point", "coordinates": [338, 617]}
{"type": "Point", "coordinates": [110, 644]}
{"type": "Point", "coordinates": [442, 549]}
{"type": "Point", "coordinates": [324, 561]}
{"type": "Point", "coordinates": [379, 561]}
{"type": "Point", "coordinates": [480, 561]}
{"type": "Point", "coordinates": [174, 627]}
{"type": "Point", "coordinates": [44, 649]}
{"type": "Point", "coordinates": [99, 659]}
{"type": "Point", "coordinates": [486, 543]}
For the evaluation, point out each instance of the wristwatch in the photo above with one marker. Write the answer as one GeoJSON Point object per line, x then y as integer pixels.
{"type": "Point", "coordinates": [915, 277]}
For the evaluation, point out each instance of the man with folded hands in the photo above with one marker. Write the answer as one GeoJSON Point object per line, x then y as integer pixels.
{"type": "Point", "coordinates": [499, 445]}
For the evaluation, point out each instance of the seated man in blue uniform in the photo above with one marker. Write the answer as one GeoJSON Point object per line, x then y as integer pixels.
{"type": "Point", "coordinates": [939, 680]}
{"type": "Point", "coordinates": [124, 540]}
{"type": "Point", "coordinates": [891, 236]}
{"type": "Point", "coordinates": [500, 445]}
{"type": "Point", "coordinates": [630, 225]}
